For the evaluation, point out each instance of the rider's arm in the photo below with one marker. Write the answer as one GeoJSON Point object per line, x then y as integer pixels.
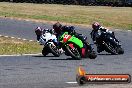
{"type": "Point", "coordinates": [103, 29]}
{"type": "Point", "coordinates": [106, 30]}
{"type": "Point", "coordinates": [93, 36]}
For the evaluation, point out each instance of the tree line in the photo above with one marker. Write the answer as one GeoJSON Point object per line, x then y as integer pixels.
{"type": "Point", "coordinates": [79, 2]}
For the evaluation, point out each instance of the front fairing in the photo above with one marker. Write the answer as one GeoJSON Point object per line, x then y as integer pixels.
{"type": "Point", "coordinates": [76, 41]}
{"type": "Point", "coordinates": [46, 37]}
{"type": "Point", "coordinates": [72, 39]}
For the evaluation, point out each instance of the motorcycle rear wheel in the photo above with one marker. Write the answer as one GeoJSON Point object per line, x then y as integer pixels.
{"type": "Point", "coordinates": [74, 53]}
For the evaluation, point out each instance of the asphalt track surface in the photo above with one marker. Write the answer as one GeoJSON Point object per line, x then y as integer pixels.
{"type": "Point", "coordinates": [36, 71]}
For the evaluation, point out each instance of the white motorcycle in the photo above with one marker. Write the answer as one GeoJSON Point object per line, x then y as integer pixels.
{"type": "Point", "coordinates": [48, 40]}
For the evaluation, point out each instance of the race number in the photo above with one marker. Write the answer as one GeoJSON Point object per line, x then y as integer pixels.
{"type": "Point", "coordinates": [66, 37]}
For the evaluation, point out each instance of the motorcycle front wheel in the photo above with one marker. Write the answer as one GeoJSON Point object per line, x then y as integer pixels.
{"type": "Point", "coordinates": [53, 49]}
{"type": "Point", "coordinates": [120, 50]}
{"type": "Point", "coordinates": [110, 48]}
{"type": "Point", "coordinates": [44, 51]}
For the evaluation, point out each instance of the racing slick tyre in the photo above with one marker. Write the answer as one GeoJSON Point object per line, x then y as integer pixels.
{"type": "Point", "coordinates": [110, 48]}
{"type": "Point", "coordinates": [54, 50]}
{"type": "Point", "coordinates": [120, 50]}
{"type": "Point", "coordinates": [44, 52]}
{"type": "Point", "coordinates": [73, 52]}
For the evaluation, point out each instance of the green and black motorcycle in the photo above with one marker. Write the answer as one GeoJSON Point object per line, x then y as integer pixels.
{"type": "Point", "coordinates": [75, 48]}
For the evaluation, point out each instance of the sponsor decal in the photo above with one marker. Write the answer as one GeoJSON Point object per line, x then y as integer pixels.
{"type": "Point", "coordinates": [66, 37]}
{"type": "Point", "coordinates": [83, 78]}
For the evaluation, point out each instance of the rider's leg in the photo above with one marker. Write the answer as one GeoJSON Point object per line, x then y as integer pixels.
{"type": "Point", "coordinates": [38, 37]}
{"type": "Point", "coordinates": [84, 40]}
{"type": "Point", "coordinates": [99, 48]}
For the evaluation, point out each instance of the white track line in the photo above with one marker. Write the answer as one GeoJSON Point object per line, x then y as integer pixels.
{"type": "Point", "coordinates": [71, 82]}
{"type": "Point", "coordinates": [19, 38]}
{"type": "Point", "coordinates": [20, 55]}
{"type": "Point", "coordinates": [12, 37]}
{"type": "Point", "coordinates": [31, 54]}
{"type": "Point", "coordinates": [117, 29]}
{"type": "Point", "coordinates": [120, 30]}
{"type": "Point", "coordinates": [6, 36]}
{"type": "Point", "coordinates": [9, 55]}
{"type": "Point", "coordinates": [24, 39]}
{"type": "Point", "coordinates": [31, 40]}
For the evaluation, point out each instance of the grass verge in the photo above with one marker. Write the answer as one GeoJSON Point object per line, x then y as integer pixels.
{"type": "Point", "coordinates": [117, 17]}
{"type": "Point", "coordinates": [15, 46]}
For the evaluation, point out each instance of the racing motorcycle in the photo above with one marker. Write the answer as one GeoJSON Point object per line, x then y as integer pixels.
{"type": "Point", "coordinates": [109, 43]}
{"type": "Point", "coordinates": [74, 47]}
{"type": "Point", "coordinates": [48, 40]}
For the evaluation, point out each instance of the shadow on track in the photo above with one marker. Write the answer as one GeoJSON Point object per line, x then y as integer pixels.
{"type": "Point", "coordinates": [56, 58]}
{"type": "Point", "coordinates": [105, 54]}
{"type": "Point", "coordinates": [43, 56]}
{"type": "Point", "coordinates": [64, 59]}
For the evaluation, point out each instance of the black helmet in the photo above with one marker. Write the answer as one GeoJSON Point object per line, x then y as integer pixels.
{"type": "Point", "coordinates": [38, 30]}
{"type": "Point", "coordinates": [57, 27]}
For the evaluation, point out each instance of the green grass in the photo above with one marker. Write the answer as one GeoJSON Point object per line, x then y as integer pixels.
{"type": "Point", "coordinates": [15, 46]}
{"type": "Point", "coordinates": [116, 17]}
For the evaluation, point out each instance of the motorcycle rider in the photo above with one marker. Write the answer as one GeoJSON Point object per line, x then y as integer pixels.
{"type": "Point", "coordinates": [39, 32]}
{"type": "Point", "coordinates": [59, 29]}
{"type": "Point", "coordinates": [96, 32]}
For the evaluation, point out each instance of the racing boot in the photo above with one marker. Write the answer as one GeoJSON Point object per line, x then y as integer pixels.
{"type": "Point", "coordinates": [61, 51]}
{"type": "Point", "coordinates": [99, 49]}
{"type": "Point", "coordinates": [88, 45]}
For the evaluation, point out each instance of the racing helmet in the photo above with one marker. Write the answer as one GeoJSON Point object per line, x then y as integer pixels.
{"type": "Point", "coordinates": [57, 27]}
{"type": "Point", "coordinates": [96, 25]}
{"type": "Point", "coordinates": [38, 31]}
